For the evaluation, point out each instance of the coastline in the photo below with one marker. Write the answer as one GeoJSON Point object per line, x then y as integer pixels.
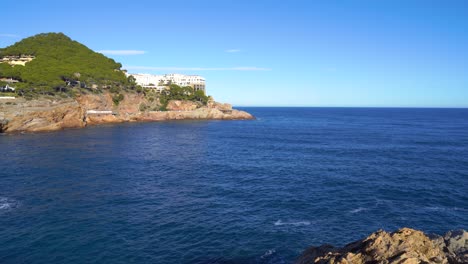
{"type": "Point", "coordinates": [405, 245]}
{"type": "Point", "coordinates": [51, 113]}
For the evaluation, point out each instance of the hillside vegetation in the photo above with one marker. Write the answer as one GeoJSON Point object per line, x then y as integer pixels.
{"type": "Point", "coordinates": [64, 67]}
{"type": "Point", "coordinates": [59, 65]}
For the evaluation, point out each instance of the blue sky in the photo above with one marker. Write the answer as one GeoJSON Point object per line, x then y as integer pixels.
{"type": "Point", "coordinates": [275, 53]}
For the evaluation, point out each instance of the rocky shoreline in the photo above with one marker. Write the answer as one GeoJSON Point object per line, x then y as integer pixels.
{"type": "Point", "coordinates": [51, 114]}
{"type": "Point", "coordinates": [404, 246]}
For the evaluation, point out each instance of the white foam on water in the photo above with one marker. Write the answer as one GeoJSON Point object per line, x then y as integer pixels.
{"type": "Point", "coordinates": [280, 223]}
{"type": "Point", "coordinates": [268, 253]}
{"type": "Point", "coordinates": [442, 209]}
{"type": "Point", "coordinates": [357, 210]}
{"type": "Point", "coordinates": [6, 203]}
{"type": "Point", "coordinates": [4, 206]}
{"type": "Point", "coordinates": [435, 208]}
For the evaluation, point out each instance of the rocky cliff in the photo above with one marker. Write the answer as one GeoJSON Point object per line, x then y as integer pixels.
{"type": "Point", "coordinates": [49, 114]}
{"type": "Point", "coordinates": [405, 246]}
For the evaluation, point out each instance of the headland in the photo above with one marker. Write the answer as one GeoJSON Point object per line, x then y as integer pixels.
{"type": "Point", "coordinates": [52, 113]}
{"type": "Point", "coordinates": [50, 82]}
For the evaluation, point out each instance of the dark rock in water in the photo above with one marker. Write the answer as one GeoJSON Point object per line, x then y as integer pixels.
{"type": "Point", "coordinates": [454, 244]}
{"type": "Point", "coordinates": [403, 246]}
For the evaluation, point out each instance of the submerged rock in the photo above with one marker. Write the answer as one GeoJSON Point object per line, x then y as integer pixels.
{"type": "Point", "coordinates": [405, 246]}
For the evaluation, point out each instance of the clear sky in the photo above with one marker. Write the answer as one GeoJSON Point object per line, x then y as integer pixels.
{"type": "Point", "coordinates": [274, 53]}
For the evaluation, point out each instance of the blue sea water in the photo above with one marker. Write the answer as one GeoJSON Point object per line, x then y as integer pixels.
{"type": "Point", "coordinates": [256, 191]}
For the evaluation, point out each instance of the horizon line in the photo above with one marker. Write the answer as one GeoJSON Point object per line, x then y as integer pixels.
{"type": "Point", "coordinates": [401, 107]}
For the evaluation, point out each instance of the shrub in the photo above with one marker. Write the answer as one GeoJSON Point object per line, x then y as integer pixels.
{"type": "Point", "coordinates": [115, 89]}
{"type": "Point", "coordinates": [143, 107]}
{"type": "Point", "coordinates": [117, 98]}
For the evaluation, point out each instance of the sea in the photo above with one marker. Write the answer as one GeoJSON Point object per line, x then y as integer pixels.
{"type": "Point", "coordinates": [231, 192]}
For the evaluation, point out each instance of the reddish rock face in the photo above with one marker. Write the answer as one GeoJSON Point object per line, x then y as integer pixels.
{"type": "Point", "coordinates": [200, 113]}
{"type": "Point", "coordinates": [220, 106]}
{"type": "Point", "coordinates": [49, 114]}
{"type": "Point", "coordinates": [44, 115]}
{"type": "Point", "coordinates": [178, 105]}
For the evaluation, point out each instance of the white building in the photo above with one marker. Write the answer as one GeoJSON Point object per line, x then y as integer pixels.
{"type": "Point", "coordinates": [17, 60]}
{"type": "Point", "coordinates": [160, 82]}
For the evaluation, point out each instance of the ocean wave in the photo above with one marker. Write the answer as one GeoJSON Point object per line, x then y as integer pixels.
{"type": "Point", "coordinates": [280, 223]}
{"type": "Point", "coordinates": [443, 209]}
{"type": "Point", "coordinates": [268, 253]}
{"type": "Point", "coordinates": [7, 203]}
{"type": "Point", "coordinates": [359, 209]}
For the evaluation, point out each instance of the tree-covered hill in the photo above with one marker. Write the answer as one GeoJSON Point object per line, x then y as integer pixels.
{"type": "Point", "coordinates": [58, 61]}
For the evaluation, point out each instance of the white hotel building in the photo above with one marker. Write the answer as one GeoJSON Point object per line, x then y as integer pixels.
{"type": "Point", "coordinates": [161, 82]}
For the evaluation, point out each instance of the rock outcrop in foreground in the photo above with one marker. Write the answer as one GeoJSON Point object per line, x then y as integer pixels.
{"type": "Point", "coordinates": [20, 115]}
{"type": "Point", "coordinates": [405, 246]}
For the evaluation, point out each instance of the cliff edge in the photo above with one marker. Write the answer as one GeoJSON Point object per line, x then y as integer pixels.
{"type": "Point", "coordinates": [405, 246]}
{"type": "Point", "coordinates": [52, 113]}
